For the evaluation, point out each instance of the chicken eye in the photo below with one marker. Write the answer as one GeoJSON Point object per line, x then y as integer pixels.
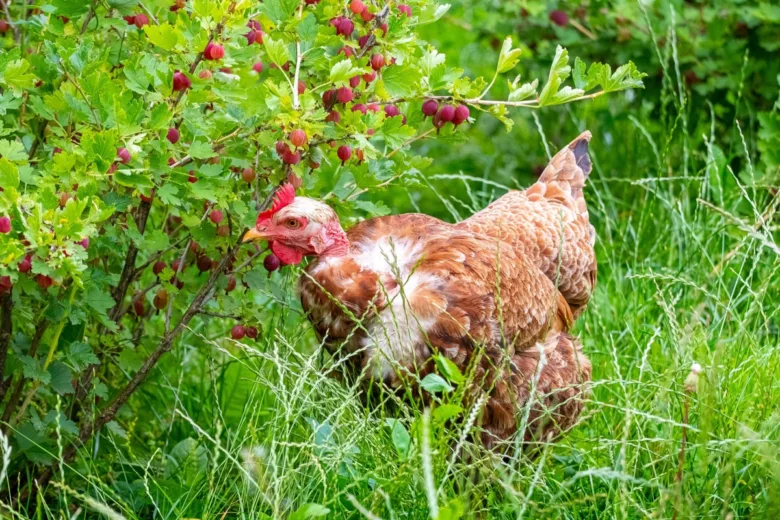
{"type": "Point", "coordinates": [293, 224]}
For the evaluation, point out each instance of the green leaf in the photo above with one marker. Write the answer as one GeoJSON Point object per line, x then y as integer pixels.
{"type": "Point", "coordinates": [434, 383]}
{"type": "Point", "coordinates": [201, 150]}
{"type": "Point", "coordinates": [71, 8]}
{"type": "Point", "coordinates": [279, 10]}
{"type": "Point", "coordinates": [523, 92]}
{"type": "Point", "coordinates": [164, 35]}
{"type": "Point", "coordinates": [449, 369]}
{"type": "Point", "coordinates": [508, 57]}
{"type": "Point", "coordinates": [81, 355]}
{"type": "Point", "coordinates": [559, 71]}
{"type": "Point", "coordinates": [401, 80]}
{"type": "Point", "coordinates": [168, 193]}
{"type": "Point", "coordinates": [446, 411]}
{"type": "Point", "coordinates": [343, 71]}
{"type": "Point", "coordinates": [31, 369]}
{"type": "Point", "coordinates": [16, 76]}
{"type": "Point", "coordinates": [277, 50]}
{"type": "Point", "coordinates": [98, 299]}
{"type": "Point", "coordinates": [13, 151]}
{"type": "Point", "coordinates": [9, 174]}
{"type": "Point", "coordinates": [61, 378]}
{"type": "Point", "coordinates": [400, 436]}
{"type": "Point", "coordinates": [309, 511]}
{"type": "Point", "coordinates": [395, 132]}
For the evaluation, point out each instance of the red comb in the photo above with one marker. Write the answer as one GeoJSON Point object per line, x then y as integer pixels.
{"type": "Point", "coordinates": [284, 196]}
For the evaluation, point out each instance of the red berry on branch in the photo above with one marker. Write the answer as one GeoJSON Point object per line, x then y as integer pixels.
{"type": "Point", "coordinates": [292, 158]}
{"type": "Point", "coordinates": [282, 148]}
{"type": "Point", "coordinates": [298, 137]}
{"type": "Point", "coordinates": [173, 135]}
{"type": "Point", "coordinates": [333, 117]}
{"type": "Point", "coordinates": [354, 81]}
{"type": "Point", "coordinates": [44, 281]}
{"type": "Point", "coordinates": [312, 2]}
{"type": "Point", "coordinates": [344, 153]}
{"type": "Point", "coordinates": [559, 18]}
{"type": "Point", "coordinates": [141, 20]}
{"type": "Point", "coordinates": [392, 110]}
{"type": "Point", "coordinates": [345, 95]}
{"type": "Point", "coordinates": [356, 6]}
{"type": "Point", "coordinates": [205, 74]}
{"type": "Point", "coordinates": [216, 216]}
{"type": "Point", "coordinates": [430, 108]}
{"type": "Point", "coordinates": [25, 266]}
{"type": "Point", "coordinates": [258, 67]}
{"type": "Point", "coordinates": [147, 198]}
{"type": "Point", "coordinates": [369, 77]}
{"type": "Point", "coordinates": [223, 231]}
{"type": "Point", "coordinates": [301, 87]}
{"type": "Point", "coordinates": [447, 113]}
{"type": "Point", "coordinates": [347, 51]}
{"type": "Point", "coordinates": [271, 262]}
{"type": "Point", "coordinates": [130, 19]}
{"type": "Point", "coordinates": [84, 243]}
{"type": "Point", "coordinates": [214, 51]}
{"type": "Point", "coordinates": [405, 9]}
{"type": "Point", "coordinates": [238, 332]}
{"type": "Point", "coordinates": [5, 284]}
{"type": "Point", "coordinates": [377, 61]}
{"type": "Point", "coordinates": [373, 107]}
{"type": "Point", "coordinates": [204, 263]}
{"type": "Point", "coordinates": [161, 299]}
{"type": "Point", "coordinates": [124, 155]}
{"type": "Point", "coordinates": [138, 305]}
{"type": "Point", "coordinates": [181, 81]}
{"type": "Point", "coordinates": [231, 285]}
{"type": "Point", "coordinates": [5, 225]}
{"type": "Point", "coordinates": [329, 98]}
{"type": "Point", "coordinates": [360, 107]}
{"type": "Point", "coordinates": [158, 267]}
{"type": "Point", "coordinates": [366, 15]}
{"type": "Point", "coordinates": [461, 115]}
{"type": "Point", "coordinates": [191, 177]}
{"type": "Point", "coordinates": [248, 175]}
{"type": "Point", "coordinates": [251, 332]}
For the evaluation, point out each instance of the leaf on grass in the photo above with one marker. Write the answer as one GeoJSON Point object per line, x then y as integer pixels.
{"type": "Point", "coordinates": [400, 436]}
{"type": "Point", "coordinates": [434, 383]}
{"type": "Point", "coordinates": [309, 511]}
{"type": "Point", "coordinates": [449, 369]}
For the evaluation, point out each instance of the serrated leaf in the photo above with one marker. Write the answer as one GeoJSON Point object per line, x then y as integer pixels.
{"type": "Point", "coordinates": [71, 8]}
{"type": "Point", "coordinates": [279, 10]}
{"type": "Point", "coordinates": [31, 369]}
{"type": "Point", "coordinates": [168, 194]}
{"type": "Point", "coordinates": [98, 299]}
{"type": "Point", "coordinates": [446, 411]}
{"type": "Point", "coordinates": [508, 57]}
{"type": "Point", "coordinates": [559, 71]}
{"type": "Point", "coordinates": [13, 151]}
{"type": "Point", "coordinates": [277, 50]}
{"type": "Point", "coordinates": [526, 91]}
{"type": "Point", "coordinates": [434, 383]}
{"type": "Point", "coordinates": [401, 80]}
{"type": "Point", "coordinates": [343, 71]}
{"type": "Point", "coordinates": [9, 174]}
{"type": "Point", "coordinates": [164, 35]}
{"type": "Point", "coordinates": [395, 132]}
{"type": "Point", "coordinates": [81, 355]}
{"type": "Point", "coordinates": [16, 76]}
{"type": "Point", "coordinates": [378, 209]}
{"type": "Point", "coordinates": [61, 378]}
{"type": "Point", "coordinates": [201, 150]}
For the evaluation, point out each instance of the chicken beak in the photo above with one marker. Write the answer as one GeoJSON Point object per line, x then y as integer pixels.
{"type": "Point", "coordinates": [253, 235]}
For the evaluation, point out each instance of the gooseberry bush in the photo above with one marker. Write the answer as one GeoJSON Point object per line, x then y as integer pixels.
{"type": "Point", "coordinates": [138, 141]}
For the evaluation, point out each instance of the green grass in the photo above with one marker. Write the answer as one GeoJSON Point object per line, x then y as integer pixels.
{"type": "Point", "coordinates": [688, 273]}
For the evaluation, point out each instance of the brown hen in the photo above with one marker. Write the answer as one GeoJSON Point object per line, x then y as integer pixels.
{"type": "Point", "coordinates": [496, 294]}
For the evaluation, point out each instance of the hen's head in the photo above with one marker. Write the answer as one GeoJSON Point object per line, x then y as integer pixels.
{"type": "Point", "coordinates": [299, 226]}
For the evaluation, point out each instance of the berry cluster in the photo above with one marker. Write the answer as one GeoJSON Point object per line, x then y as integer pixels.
{"type": "Point", "coordinates": [446, 114]}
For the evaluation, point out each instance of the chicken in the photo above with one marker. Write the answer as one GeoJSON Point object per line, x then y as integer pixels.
{"type": "Point", "coordinates": [495, 294]}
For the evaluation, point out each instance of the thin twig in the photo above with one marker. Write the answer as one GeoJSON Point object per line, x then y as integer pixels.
{"type": "Point", "coordinates": [10, 20]}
